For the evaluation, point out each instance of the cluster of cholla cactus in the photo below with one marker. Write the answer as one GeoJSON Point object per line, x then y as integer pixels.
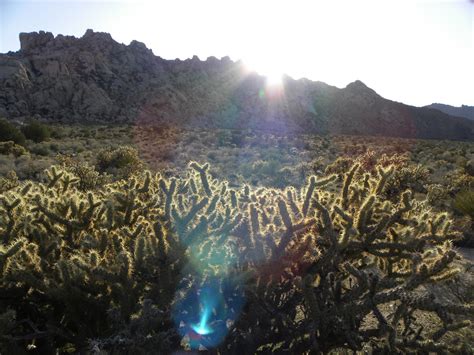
{"type": "Point", "coordinates": [10, 147]}
{"type": "Point", "coordinates": [9, 181]}
{"type": "Point", "coordinates": [154, 264]}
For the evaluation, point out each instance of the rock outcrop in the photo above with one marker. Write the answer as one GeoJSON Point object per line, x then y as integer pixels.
{"type": "Point", "coordinates": [96, 79]}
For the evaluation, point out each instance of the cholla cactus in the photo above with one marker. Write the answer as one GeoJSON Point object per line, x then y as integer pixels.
{"type": "Point", "coordinates": [10, 147]}
{"type": "Point", "coordinates": [9, 181]}
{"type": "Point", "coordinates": [437, 195]}
{"type": "Point", "coordinates": [118, 268]}
{"type": "Point", "coordinates": [353, 256]}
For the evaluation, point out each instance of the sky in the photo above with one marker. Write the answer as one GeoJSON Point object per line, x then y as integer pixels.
{"type": "Point", "coordinates": [413, 51]}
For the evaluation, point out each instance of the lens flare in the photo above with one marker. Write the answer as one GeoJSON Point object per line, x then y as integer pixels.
{"type": "Point", "coordinates": [205, 312]}
{"type": "Point", "coordinates": [274, 78]}
{"type": "Point", "coordinates": [270, 68]}
{"type": "Point", "coordinates": [203, 328]}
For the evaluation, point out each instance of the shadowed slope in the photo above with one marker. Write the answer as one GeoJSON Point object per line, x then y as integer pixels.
{"type": "Point", "coordinates": [94, 78]}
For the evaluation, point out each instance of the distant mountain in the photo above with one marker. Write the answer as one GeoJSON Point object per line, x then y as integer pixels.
{"type": "Point", "coordinates": [96, 79]}
{"type": "Point", "coordinates": [463, 111]}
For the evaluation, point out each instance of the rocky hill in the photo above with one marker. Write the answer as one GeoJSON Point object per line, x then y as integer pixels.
{"type": "Point", "coordinates": [462, 111]}
{"type": "Point", "coordinates": [94, 78]}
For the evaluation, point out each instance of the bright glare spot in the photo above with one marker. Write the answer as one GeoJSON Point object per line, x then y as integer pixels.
{"type": "Point", "coordinates": [274, 78]}
{"type": "Point", "coordinates": [269, 68]}
{"type": "Point", "coordinates": [202, 328]}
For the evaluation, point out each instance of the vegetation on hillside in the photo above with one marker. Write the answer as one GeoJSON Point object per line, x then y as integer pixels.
{"type": "Point", "coordinates": [297, 243]}
{"type": "Point", "coordinates": [433, 170]}
{"type": "Point", "coordinates": [36, 131]}
{"type": "Point", "coordinates": [9, 132]}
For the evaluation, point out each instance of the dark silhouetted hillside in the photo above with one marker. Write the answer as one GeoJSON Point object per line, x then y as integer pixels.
{"type": "Point", "coordinates": [463, 111]}
{"type": "Point", "coordinates": [96, 79]}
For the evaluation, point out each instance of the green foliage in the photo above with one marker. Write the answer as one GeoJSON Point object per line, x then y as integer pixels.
{"type": "Point", "coordinates": [8, 132]}
{"type": "Point", "coordinates": [41, 149]}
{"type": "Point", "coordinates": [122, 162]}
{"type": "Point", "coordinates": [102, 270]}
{"type": "Point", "coordinates": [10, 147]}
{"type": "Point", "coordinates": [464, 202]}
{"type": "Point", "coordinates": [229, 116]}
{"type": "Point", "coordinates": [57, 132]}
{"type": "Point", "coordinates": [36, 131]}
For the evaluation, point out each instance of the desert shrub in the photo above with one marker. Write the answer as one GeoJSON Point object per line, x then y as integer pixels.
{"type": "Point", "coordinates": [317, 165]}
{"type": "Point", "coordinates": [7, 148]}
{"type": "Point", "coordinates": [6, 164]}
{"type": "Point", "coordinates": [41, 149]}
{"type": "Point", "coordinates": [79, 148]}
{"type": "Point", "coordinates": [411, 176]}
{"type": "Point", "coordinates": [270, 173]}
{"type": "Point", "coordinates": [87, 132]}
{"type": "Point", "coordinates": [88, 177]}
{"type": "Point", "coordinates": [58, 132]}
{"type": "Point", "coordinates": [28, 168]}
{"type": "Point", "coordinates": [437, 195]}
{"type": "Point", "coordinates": [152, 264]}
{"type": "Point", "coordinates": [458, 181]}
{"type": "Point", "coordinates": [267, 167]}
{"type": "Point", "coordinates": [464, 202]}
{"type": "Point", "coordinates": [340, 166]}
{"type": "Point", "coordinates": [54, 147]}
{"type": "Point", "coordinates": [8, 132]}
{"type": "Point", "coordinates": [212, 155]}
{"type": "Point", "coordinates": [469, 167]}
{"type": "Point", "coordinates": [304, 170]}
{"type": "Point", "coordinates": [398, 160]}
{"type": "Point", "coordinates": [368, 160]}
{"type": "Point", "coordinates": [237, 138]}
{"type": "Point", "coordinates": [224, 138]}
{"type": "Point", "coordinates": [284, 177]}
{"type": "Point", "coordinates": [325, 143]}
{"type": "Point", "coordinates": [465, 225]}
{"type": "Point", "coordinates": [36, 131]}
{"type": "Point", "coordinates": [121, 162]}
{"type": "Point", "coordinates": [440, 164]}
{"type": "Point", "coordinates": [460, 161]}
{"type": "Point", "coordinates": [9, 181]}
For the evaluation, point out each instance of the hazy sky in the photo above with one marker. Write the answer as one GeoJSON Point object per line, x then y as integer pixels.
{"type": "Point", "coordinates": [417, 52]}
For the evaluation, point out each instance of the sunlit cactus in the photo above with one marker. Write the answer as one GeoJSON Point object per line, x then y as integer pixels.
{"type": "Point", "coordinates": [151, 263]}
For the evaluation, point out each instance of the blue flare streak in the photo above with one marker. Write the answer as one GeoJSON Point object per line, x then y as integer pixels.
{"type": "Point", "coordinates": [202, 328]}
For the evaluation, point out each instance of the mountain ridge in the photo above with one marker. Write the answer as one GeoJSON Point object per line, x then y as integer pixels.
{"type": "Point", "coordinates": [96, 79]}
{"type": "Point", "coordinates": [461, 111]}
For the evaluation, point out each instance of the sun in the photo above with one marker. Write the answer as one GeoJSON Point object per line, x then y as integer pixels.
{"type": "Point", "coordinates": [268, 68]}
{"type": "Point", "coordinates": [274, 78]}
